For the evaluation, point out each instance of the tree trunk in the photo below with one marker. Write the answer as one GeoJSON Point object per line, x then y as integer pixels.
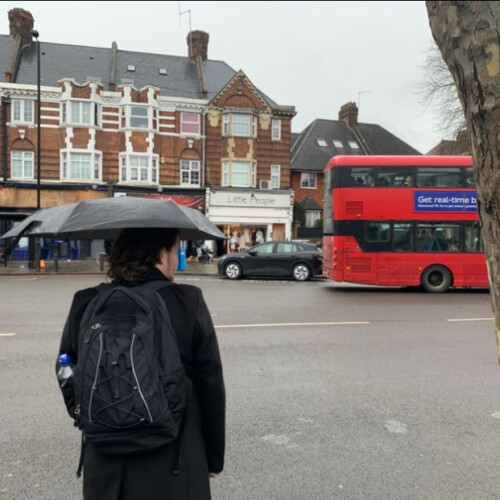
{"type": "Point", "coordinates": [467, 34]}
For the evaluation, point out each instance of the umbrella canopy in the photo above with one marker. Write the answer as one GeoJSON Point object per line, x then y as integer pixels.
{"type": "Point", "coordinates": [106, 218]}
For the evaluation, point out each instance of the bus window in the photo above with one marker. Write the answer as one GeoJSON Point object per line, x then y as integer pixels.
{"type": "Point", "coordinates": [384, 181]}
{"type": "Point", "coordinates": [473, 238]}
{"type": "Point", "coordinates": [439, 177]}
{"type": "Point", "coordinates": [470, 182]}
{"type": "Point", "coordinates": [424, 241]}
{"type": "Point", "coordinates": [377, 231]}
{"type": "Point", "coordinates": [438, 237]}
{"type": "Point", "coordinates": [361, 176]}
{"type": "Point", "coordinates": [403, 238]}
{"type": "Point", "coordinates": [403, 179]}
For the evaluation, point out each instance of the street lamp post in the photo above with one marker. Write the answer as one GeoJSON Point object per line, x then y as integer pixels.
{"type": "Point", "coordinates": [37, 250]}
{"type": "Point", "coordinates": [38, 131]}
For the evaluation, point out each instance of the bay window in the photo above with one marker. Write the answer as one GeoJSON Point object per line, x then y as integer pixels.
{"type": "Point", "coordinates": [139, 117]}
{"type": "Point", "coordinates": [312, 216]}
{"type": "Point", "coordinates": [239, 173]}
{"type": "Point", "coordinates": [84, 113]}
{"type": "Point", "coordinates": [81, 166]}
{"type": "Point", "coordinates": [239, 125]}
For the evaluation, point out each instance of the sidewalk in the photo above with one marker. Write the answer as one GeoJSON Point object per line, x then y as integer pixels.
{"type": "Point", "coordinates": [91, 267]}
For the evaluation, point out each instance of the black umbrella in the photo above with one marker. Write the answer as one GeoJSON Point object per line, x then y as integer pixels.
{"type": "Point", "coordinates": [106, 218]}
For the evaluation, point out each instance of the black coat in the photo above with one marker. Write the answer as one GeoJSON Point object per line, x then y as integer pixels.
{"type": "Point", "coordinates": [148, 476]}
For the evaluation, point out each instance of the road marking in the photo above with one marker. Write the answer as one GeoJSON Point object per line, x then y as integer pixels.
{"type": "Point", "coordinates": [7, 334]}
{"type": "Point", "coordinates": [334, 323]}
{"type": "Point", "coordinates": [470, 319]}
{"type": "Point", "coordinates": [396, 427]}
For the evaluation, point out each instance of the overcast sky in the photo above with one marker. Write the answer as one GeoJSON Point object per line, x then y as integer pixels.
{"type": "Point", "coordinates": [315, 56]}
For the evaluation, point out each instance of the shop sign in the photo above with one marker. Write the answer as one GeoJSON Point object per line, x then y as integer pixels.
{"type": "Point", "coordinates": [249, 199]}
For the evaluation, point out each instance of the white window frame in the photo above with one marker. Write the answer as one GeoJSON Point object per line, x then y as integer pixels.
{"type": "Point", "coordinates": [27, 164]}
{"type": "Point", "coordinates": [275, 129]}
{"type": "Point", "coordinates": [129, 114]}
{"type": "Point", "coordinates": [239, 125]}
{"type": "Point", "coordinates": [23, 111]}
{"type": "Point", "coordinates": [81, 113]}
{"type": "Point", "coordinates": [185, 123]}
{"type": "Point", "coordinates": [70, 160]}
{"type": "Point", "coordinates": [190, 173]}
{"type": "Point", "coordinates": [232, 171]}
{"type": "Point", "coordinates": [139, 169]}
{"type": "Point", "coordinates": [275, 176]}
{"type": "Point", "coordinates": [308, 180]}
{"type": "Point", "coordinates": [311, 217]}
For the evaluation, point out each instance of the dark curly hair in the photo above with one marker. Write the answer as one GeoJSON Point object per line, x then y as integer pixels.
{"type": "Point", "coordinates": [136, 252]}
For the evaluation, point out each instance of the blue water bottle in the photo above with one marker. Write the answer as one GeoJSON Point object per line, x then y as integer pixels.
{"type": "Point", "coordinates": [67, 369]}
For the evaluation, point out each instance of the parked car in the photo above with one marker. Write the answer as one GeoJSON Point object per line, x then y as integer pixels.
{"type": "Point", "coordinates": [293, 259]}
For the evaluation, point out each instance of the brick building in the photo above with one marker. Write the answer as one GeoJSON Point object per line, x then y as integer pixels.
{"type": "Point", "coordinates": [115, 122]}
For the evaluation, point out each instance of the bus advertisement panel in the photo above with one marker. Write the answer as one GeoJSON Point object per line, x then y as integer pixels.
{"type": "Point", "coordinates": [403, 221]}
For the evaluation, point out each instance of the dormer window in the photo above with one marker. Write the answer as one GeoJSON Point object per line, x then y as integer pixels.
{"type": "Point", "coordinates": [131, 68]}
{"type": "Point", "coordinates": [162, 71]}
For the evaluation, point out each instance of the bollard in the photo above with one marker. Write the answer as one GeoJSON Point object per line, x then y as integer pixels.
{"type": "Point", "coordinates": [102, 257]}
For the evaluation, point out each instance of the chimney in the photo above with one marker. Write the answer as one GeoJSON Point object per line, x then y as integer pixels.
{"type": "Point", "coordinates": [197, 45]}
{"type": "Point", "coordinates": [349, 113]}
{"type": "Point", "coordinates": [21, 23]}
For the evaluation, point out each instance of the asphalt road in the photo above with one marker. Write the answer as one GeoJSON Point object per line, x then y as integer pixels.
{"type": "Point", "coordinates": [332, 392]}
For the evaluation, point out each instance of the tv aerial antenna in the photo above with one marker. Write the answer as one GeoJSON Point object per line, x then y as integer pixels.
{"type": "Point", "coordinates": [180, 22]}
{"type": "Point", "coordinates": [359, 95]}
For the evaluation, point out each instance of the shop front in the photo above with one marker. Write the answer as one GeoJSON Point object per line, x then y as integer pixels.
{"type": "Point", "coordinates": [249, 216]}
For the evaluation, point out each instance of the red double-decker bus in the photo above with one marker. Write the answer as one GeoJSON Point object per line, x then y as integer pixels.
{"type": "Point", "coordinates": [403, 221]}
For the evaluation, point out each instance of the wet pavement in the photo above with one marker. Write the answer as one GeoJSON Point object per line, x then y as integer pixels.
{"type": "Point", "coordinates": [90, 266]}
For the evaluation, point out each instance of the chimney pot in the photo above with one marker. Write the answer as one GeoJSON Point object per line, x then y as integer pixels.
{"type": "Point", "coordinates": [197, 45]}
{"type": "Point", "coordinates": [349, 113]}
{"type": "Point", "coordinates": [21, 24]}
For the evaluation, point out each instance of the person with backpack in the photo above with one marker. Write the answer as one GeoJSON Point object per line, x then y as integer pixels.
{"type": "Point", "coordinates": [147, 387]}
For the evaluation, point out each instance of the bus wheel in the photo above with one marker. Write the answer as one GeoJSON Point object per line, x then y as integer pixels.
{"type": "Point", "coordinates": [436, 279]}
{"type": "Point", "coordinates": [233, 271]}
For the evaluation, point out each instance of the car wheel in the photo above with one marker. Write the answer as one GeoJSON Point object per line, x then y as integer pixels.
{"type": "Point", "coordinates": [301, 272]}
{"type": "Point", "coordinates": [233, 271]}
{"type": "Point", "coordinates": [436, 279]}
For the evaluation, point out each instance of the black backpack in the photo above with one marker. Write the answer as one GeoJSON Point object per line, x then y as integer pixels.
{"type": "Point", "coordinates": [129, 382]}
